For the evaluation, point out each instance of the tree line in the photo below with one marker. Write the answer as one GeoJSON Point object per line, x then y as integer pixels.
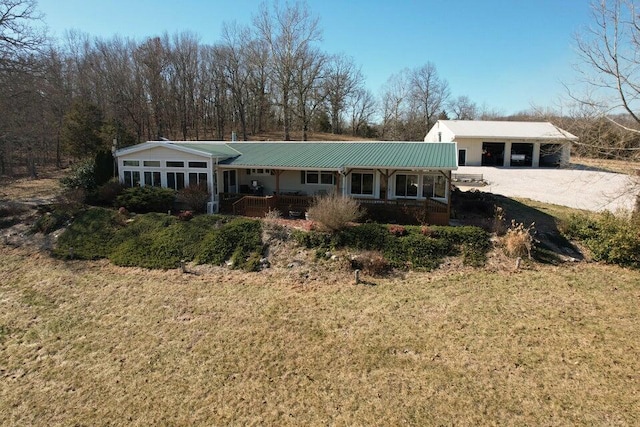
{"type": "Point", "coordinates": [70, 98]}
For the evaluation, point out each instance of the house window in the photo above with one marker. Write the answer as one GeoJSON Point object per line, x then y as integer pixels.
{"type": "Point", "coordinates": [175, 180]}
{"type": "Point", "coordinates": [152, 179]}
{"type": "Point", "coordinates": [406, 185]}
{"type": "Point", "coordinates": [197, 178]}
{"type": "Point", "coordinates": [171, 164]}
{"type": "Point", "coordinates": [317, 177]}
{"type": "Point", "coordinates": [131, 178]}
{"type": "Point", "coordinates": [313, 177]}
{"type": "Point", "coordinates": [362, 183]}
{"type": "Point", "coordinates": [197, 164]}
{"type": "Point", "coordinates": [151, 163]}
{"type": "Point", "coordinates": [130, 163]}
{"type": "Point", "coordinates": [260, 171]}
{"type": "Point", "coordinates": [434, 186]}
{"type": "Point", "coordinates": [327, 178]}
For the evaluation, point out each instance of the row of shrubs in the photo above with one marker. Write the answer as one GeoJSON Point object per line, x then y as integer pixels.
{"type": "Point", "coordinates": [91, 182]}
{"type": "Point", "coordinates": [415, 247]}
{"type": "Point", "coordinates": [611, 239]}
{"type": "Point", "coordinates": [157, 240]}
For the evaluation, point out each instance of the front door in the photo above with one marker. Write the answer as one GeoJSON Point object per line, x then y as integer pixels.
{"type": "Point", "coordinates": [229, 182]}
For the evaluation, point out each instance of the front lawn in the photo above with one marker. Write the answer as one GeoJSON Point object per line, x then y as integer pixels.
{"type": "Point", "coordinates": [87, 342]}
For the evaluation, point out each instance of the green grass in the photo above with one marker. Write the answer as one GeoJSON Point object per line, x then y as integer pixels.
{"type": "Point", "coordinates": [86, 343]}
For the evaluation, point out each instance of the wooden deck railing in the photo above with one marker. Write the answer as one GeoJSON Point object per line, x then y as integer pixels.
{"type": "Point", "coordinates": [429, 210]}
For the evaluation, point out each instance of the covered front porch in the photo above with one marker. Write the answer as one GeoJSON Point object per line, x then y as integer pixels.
{"type": "Point", "coordinates": [428, 211]}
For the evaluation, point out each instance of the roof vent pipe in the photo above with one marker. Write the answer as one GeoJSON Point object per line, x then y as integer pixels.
{"type": "Point", "coordinates": [439, 136]}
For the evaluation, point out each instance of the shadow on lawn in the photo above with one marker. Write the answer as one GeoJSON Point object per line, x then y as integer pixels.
{"type": "Point", "coordinates": [478, 208]}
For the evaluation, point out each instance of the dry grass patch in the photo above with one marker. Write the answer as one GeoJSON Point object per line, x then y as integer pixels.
{"type": "Point", "coordinates": [44, 188]}
{"type": "Point", "coordinates": [86, 342]}
{"type": "Point", "coordinates": [628, 167]}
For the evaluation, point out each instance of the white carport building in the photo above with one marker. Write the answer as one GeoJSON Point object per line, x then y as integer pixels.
{"type": "Point", "coordinates": [505, 143]}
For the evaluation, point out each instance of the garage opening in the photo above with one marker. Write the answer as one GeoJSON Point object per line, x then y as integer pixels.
{"type": "Point", "coordinates": [493, 154]}
{"type": "Point", "coordinates": [521, 154]}
{"type": "Point", "coordinates": [550, 155]}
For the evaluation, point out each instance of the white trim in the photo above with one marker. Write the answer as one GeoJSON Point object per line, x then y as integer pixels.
{"type": "Point", "coordinates": [154, 144]}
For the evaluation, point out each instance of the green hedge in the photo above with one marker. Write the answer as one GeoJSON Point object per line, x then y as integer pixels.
{"type": "Point", "coordinates": [146, 199]}
{"type": "Point", "coordinates": [157, 240]}
{"type": "Point", "coordinates": [610, 239]}
{"type": "Point", "coordinates": [90, 234]}
{"type": "Point", "coordinates": [417, 247]}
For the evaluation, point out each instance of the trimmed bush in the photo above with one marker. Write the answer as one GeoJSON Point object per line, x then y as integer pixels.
{"type": "Point", "coordinates": [81, 176]}
{"type": "Point", "coordinates": [146, 199]}
{"type": "Point", "coordinates": [157, 240]}
{"type": "Point", "coordinates": [236, 241]}
{"type": "Point", "coordinates": [195, 197]}
{"type": "Point", "coordinates": [90, 235]}
{"type": "Point", "coordinates": [107, 193]}
{"type": "Point", "coordinates": [411, 247]}
{"type": "Point", "coordinates": [369, 236]}
{"type": "Point", "coordinates": [610, 239]}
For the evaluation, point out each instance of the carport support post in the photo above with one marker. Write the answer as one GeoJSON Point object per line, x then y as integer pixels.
{"type": "Point", "coordinates": [535, 156]}
{"type": "Point", "coordinates": [507, 154]}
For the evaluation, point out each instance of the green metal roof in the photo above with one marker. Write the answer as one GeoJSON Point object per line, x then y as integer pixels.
{"type": "Point", "coordinates": [324, 155]}
{"type": "Point", "coordinates": [337, 155]}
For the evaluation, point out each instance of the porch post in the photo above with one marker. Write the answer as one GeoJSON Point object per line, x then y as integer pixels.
{"type": "Point", "coordinates": [277, 172]}
{"type": "Point", "coordinates": [386, 186]}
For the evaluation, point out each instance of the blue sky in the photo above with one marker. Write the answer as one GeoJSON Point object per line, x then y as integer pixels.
{"type": "Point", "coordinates": [505, 54]}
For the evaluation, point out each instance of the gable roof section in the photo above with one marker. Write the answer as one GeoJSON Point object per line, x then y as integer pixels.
{"type": "Point", "coordinates": [505, 129]}
{"type": "Point", "coordinates": [316, 155]}
{"type": "Point", "coordinates": [207, 149]}
{"type": "Point", "coordinates": [338, 155]}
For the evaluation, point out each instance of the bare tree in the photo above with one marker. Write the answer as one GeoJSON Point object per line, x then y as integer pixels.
{"type": "Point", "coordinates": [290, 33]}
{"type": "Point", "coordinates": [309, 90]}
{"type": "Point", "coordinates": [430, 93]}
{"type": "Point", "coordinates": [463, 108]}
{"type": "Point", "coordinates": [610, 65]}
{"type": "Point", "coordinates": [342, 79]}
{"type": "Point", "coordinates": [361, 107]}
{"type": "Point", "coordinates": [393, 105]}
{"type": "Point", "coordinates": [183, 59]}
{"type": "Point", "coordinates": [18, 34]}
{"type": "Point", "coordinates": [21, 42]}
{"type": "Point", "coordinates": [236, 41]}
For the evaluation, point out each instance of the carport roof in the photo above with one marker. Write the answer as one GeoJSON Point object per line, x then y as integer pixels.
{"type": "Point", "coordinates": [505, 129]}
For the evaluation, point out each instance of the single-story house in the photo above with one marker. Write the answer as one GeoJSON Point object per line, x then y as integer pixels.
{"type": "Point", "coordinates": [250, 178]}
{"type": "Point", "coordinates": [504, 143]}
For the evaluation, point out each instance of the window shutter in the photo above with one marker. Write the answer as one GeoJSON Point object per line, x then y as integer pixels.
{"type": "Point", "coordinates": [303, 177]}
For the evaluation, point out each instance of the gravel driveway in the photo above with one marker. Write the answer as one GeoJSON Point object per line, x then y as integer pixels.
{"type": "Point", "coordinates": [576, 188]}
